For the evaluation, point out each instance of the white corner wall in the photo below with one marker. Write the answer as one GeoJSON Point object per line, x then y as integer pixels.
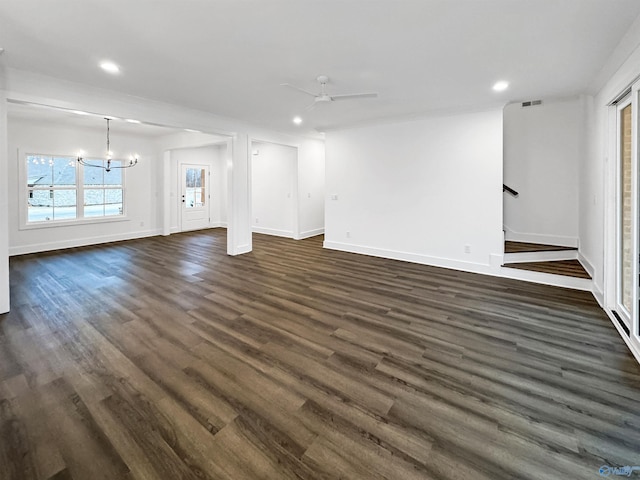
{"type": "Point", "coordinates": [141, 195]}
{"type": "Point", "coordinates": [273, 189]}
{"type": "Point", "coordinates": [542, 149]}
{"type": "Point", "coordinates": [311, 188]}
{"type": "Point", "coordinates": [4, 203]}
{"type": "Point", "coordinates": [427, 190]}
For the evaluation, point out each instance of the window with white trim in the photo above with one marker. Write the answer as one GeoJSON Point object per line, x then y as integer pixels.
{"type": "Point", "coordinates": [59, 189]}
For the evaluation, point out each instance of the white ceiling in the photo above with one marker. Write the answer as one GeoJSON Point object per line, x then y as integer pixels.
{"type": "Point", "coordinates": [230, 57]}
{"type": "Point", "coordinates": [45, 114]}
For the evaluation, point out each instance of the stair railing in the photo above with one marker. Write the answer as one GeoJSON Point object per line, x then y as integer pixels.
{"type": "Point", "coordinates": [506, 188]}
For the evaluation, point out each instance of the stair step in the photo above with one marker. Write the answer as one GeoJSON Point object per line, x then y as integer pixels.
{"type": "Point", "coordinates": [564, 281]}
{"type": "Point", "coordinates": [521, 247]}
{"type": "Point", "coordinates": [569, 268]}
{"type": "Point", "coordinates": [540, 256]}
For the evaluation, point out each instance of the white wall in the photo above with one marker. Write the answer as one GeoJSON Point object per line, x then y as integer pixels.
{"type": "Point", "coordinates": [542, 149]}
{"type": "Point", "coordinates": [4, 203]}
{"type": "Point", "coordinates": [141, 195]}
{"type": "Point", "coordinates": [418, 190]}
{"type": "Point", "coordinates": [273, 188]}
{"type": "Point", "coordinates": [214, 156]}
{"type": "Point", "coordinates": [311, 188]}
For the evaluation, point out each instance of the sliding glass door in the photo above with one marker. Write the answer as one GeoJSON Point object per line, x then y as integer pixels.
{"type": "Point", "coordinates": [627, 221]}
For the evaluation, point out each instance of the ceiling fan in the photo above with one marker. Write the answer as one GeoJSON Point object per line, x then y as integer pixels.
{"type": "Point", "coordinates": [324, 97]}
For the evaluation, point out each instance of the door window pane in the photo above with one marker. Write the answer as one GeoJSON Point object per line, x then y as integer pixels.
{"type": "Point", "coordinates": [195, 187]}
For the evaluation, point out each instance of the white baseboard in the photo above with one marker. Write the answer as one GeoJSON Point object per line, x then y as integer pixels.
{"type": "Point", "coordinates": [310, 233]}
{"type": "Point", "coordinates": [273, 231]}
{"type": "Point", "coordinates": [493, 269]}
{"type": "Point", "coordinates": [241, 250]}
{"type": "Point", "coordinates": [598, 294]}
{"type": "Point", "coordinates": [211, 225]}
{"type": "Point", "coordinates": [81, 242]}
{"type": "Point", "coordinates": [411, 257]}
{"type": "Point", "coordinates": [586, 264]}
{"type": "Point", "coordinates": [540, 238]}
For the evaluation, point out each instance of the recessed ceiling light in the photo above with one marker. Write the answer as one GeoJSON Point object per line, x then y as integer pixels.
{"type": "Point", "coordinates": [131, 120]}
{"type": "Point", "coordinates": [500, 86]}
{"type": "Point", "coordinates": [110, 67]}
{"type": "Point", "coordinates": [79, 112]}
{"type": "Point", "coordinates": [297, 120]}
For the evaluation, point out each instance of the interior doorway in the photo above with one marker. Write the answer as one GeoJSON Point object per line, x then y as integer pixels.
{"type": "Point", "coordinates": [197, 182]}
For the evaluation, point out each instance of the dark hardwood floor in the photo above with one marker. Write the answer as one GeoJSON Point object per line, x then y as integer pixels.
{"type": "Point", "coordinates": [164, 358]}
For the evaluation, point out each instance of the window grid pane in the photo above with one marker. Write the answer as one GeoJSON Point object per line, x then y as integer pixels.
{"type": "Point", "coordinates": [53, 183]}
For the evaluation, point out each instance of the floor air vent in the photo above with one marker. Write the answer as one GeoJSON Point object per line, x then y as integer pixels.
{"type": "Point", "coordinates": [532, 103]}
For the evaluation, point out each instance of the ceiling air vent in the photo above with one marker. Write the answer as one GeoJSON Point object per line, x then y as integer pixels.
{"type": "Point", "coordinates": [532, 103]}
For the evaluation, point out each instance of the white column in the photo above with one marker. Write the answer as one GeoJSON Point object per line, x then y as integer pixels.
{"type": "Point", "coordinates": [166, 193]}
{"type": "Point", "coordinates": [4, 202]}
{"type": "Point", "coordinates": [238, 195]}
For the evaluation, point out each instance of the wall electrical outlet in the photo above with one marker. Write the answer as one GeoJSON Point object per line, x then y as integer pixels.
{"type": "Point", "coordinates": [257, 220]}
{"type": "Point", "coordinates": [467, 249]}
{"type": "Point", "coordinates": [334, 197]}
{"type": "Point", "coordinates": [348, 234]}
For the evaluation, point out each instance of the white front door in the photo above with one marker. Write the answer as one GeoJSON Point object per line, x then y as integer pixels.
{"type": "Point", "coordinates": [195, 196]}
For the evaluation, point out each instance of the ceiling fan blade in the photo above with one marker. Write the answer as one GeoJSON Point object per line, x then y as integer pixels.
{"type": "Point", "coordinates": [348, 96]}
{"type": "Point", "coordinates": [297, 88]}
{"type": "Point", "coordinates": [311, 107]}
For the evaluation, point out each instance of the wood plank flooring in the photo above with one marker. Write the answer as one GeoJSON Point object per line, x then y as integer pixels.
{"type": "Point", "coordinates": [521, 247]}
{"type": "Point", "coordinates": [164, 358]}
{"type": "Point", "coordinates": [570, 268]}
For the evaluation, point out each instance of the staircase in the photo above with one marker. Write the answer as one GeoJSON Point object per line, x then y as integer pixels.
{"type": "Point", "coordinates": [549, 264]}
